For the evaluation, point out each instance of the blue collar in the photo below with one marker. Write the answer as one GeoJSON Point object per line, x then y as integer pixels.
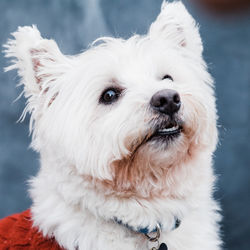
{"type": "Point", "coordinates": [145, 230]}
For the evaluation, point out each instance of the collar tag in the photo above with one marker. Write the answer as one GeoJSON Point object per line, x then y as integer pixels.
{"type": "Point", "coordinates": [161, 246]}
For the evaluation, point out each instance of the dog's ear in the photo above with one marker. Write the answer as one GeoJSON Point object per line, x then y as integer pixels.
{"type": "Point", "coordinates": [174, 24]}
{"type": "Point", "coordinates": [39, 63]}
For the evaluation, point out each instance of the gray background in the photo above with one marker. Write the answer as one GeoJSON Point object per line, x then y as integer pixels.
{"type": "Point", "coordinates": [74, 24]}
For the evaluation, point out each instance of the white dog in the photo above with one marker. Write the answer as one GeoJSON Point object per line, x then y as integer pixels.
{"type": "Point", "coordinates": [126, 133]}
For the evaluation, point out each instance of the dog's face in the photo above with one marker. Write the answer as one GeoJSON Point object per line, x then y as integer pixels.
{"type": "Point", "coordinates": [127, 114]}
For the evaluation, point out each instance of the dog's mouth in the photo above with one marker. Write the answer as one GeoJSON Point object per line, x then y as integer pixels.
{"type": "Point", "coordinates": [167, 130]}
{"type": "Point", "coordinates": [173, 130]}
{"type": "Point", "coordinates": [162, 131]}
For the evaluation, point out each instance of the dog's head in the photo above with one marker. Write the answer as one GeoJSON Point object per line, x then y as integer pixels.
{"type": "Point", "coordinates": [127, 114]}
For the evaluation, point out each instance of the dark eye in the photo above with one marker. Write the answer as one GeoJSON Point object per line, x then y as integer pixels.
{"type": "Point", "coordinates": [110, 95]}
{"type": "Point", "coordinates": [167, 77]}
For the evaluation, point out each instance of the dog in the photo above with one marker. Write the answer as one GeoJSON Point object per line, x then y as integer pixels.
{"type": "Point", "coordinates": [126, 132]}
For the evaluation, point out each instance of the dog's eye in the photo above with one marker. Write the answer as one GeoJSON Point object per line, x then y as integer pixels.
{"type": "Point", "coordinates": [167, 77]}
{"type": "Point", "coordinates": [110, 95]}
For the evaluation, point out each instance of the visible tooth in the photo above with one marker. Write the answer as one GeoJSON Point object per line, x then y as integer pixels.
{"type": "Point", "coordinates": [169, 129]}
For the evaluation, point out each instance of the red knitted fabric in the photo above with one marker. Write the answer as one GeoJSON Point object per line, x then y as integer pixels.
{"type": "Point", "coordinates": [16, 232]}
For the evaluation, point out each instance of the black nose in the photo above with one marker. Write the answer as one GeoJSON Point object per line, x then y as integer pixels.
{"type": "Point", "coordinates": [166, 101]}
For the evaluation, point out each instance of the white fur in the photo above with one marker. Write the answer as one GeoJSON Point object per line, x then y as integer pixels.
{"type": "Point", "coordinates": [77, 137]}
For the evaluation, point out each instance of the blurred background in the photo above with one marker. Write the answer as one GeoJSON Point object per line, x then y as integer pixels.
{"type": "Point", "coordinates": [225, 29]}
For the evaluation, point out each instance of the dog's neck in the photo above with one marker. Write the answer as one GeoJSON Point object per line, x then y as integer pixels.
{"type": "Point", "coordinates": [68, 209]}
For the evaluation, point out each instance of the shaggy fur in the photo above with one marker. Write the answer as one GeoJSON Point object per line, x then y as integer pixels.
{"type": "Point", "coordinates": [97, 162]}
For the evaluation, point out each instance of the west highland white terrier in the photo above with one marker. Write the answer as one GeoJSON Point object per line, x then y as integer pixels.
{"type": "Point", "coordinates": [126, 133]}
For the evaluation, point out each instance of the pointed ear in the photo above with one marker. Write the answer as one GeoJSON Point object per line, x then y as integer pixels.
{"type": "Point", "coordinates": [39, 63]}
{"type": "Point", "coordinates": [175, 25]}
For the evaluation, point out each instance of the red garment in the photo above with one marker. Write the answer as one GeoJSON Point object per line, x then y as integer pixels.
{"type": "Point", "coordinates": [16, 232]}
